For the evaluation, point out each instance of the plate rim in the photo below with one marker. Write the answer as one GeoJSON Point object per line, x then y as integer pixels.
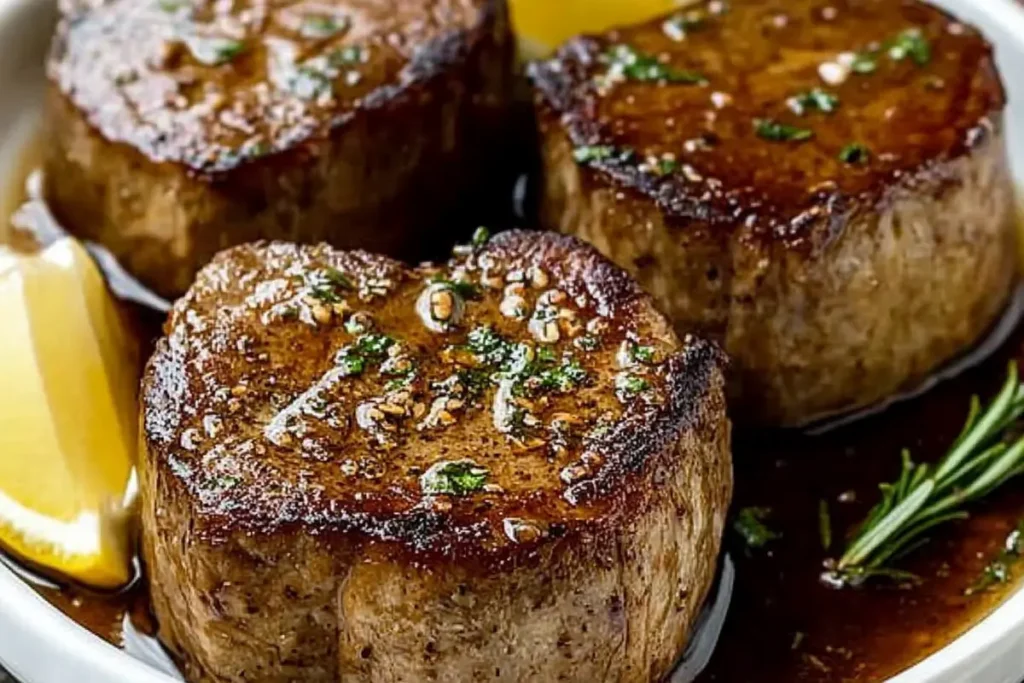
{"type": "Point", "coordinates": [33, 627]}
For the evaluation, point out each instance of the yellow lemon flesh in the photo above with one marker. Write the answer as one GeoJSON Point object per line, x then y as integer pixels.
{"type": "Point", "coordinates": [544, 24]}
{"type": "Point", "coordinates": [68, 424]}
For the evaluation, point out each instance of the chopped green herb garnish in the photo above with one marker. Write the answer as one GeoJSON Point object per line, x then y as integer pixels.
{"type": "Point", "coordinates": [491, 348]}
{"type": "Point", "coordinates": [400, 382]}
{"type": "Point", "coordinates": [214, 51]}
{"type": "Point", "coordinates": [353, 359]}
{"type": "Point", "coordinates": [481, 236]}
{"type": "Point", "coordinates": [910, 43]}
{"type": "Point", "coordinates": [461, 288]}
{"type": "Point", "coordinates": [562, 379]}
{"type": "Point", "coordinates": [588, 342]}
{"type": "Point", "coordinates": [532, 370]}
{"type": "Point", "coordinates": [770, 129]}
{"type": "Point", "coordinates": [864, 63]}
{"type": "Point", "coordinates": [456, 478]}
{"type": "Point", "coordinates": [590, 153]}
{"type": "Point", "coordinates": [350, 363]}
{"type": "Point", "coordinates": [514, 421]}
{"type": "Point", "coordinates": [813, 99]}
{"type": "Point", "coordinates": [666, 166]}
{"type": "Point", "coordinates": [641, 354]}
{"type": "Point", "coordinates": [374, 345]}
{"type": "Point", "coordinates": [327, 285]}
{"type": "Point", "coordinates": [636, 66]}
{"type": "Point", "coordinates": [474, 381]}
{"type": "Point", "coordinates": [323, 26]}
{"type": "Point", "coordinates": [630, 386]}
{"type": "Point", "coordinates": [749, 524]}
{"type": "Point", "coordinates": [500, 355]}
{"type": "Point", "coordinates": [855, 153]}
{"type": "Point", "coordinates": [546, 354]}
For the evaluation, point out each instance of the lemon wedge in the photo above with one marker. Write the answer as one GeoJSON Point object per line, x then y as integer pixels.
{"type": "Point", "coordinates": [544, 24]}
{"type": "Point", "coordinates": [68, 424]}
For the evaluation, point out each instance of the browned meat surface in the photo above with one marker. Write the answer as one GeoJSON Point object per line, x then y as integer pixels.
{"type": "Point", "coordinates": [180, 127]}
{"type": "Point", "coordinates": [507, 468]}
{"type": "Point", "coordinates": [820, 185]}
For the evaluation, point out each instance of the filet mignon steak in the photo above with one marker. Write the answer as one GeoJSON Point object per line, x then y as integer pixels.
{"type": "Point", "coordinates": [821, 186]}
{"type": "Point", "coordinates": [508, 468]}
{"type": "Point", "coordinates": [177, 128]}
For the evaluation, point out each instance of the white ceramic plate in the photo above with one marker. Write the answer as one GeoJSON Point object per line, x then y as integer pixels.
{"type": "Point", "coordinates": [38, 644]}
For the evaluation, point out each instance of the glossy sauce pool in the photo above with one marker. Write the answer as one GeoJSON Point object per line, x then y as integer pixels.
{"type": "Point", "coordinates": [783, 624]}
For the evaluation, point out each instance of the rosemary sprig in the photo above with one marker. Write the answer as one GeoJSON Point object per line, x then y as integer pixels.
{"type": "Point", "coordinates": [985, 456]}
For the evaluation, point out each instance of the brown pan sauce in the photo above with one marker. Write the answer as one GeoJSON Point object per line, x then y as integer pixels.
{"type": "Point", "coordinates": [784, 625]}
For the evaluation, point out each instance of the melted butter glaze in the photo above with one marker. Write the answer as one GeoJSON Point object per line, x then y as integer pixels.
{"type": "Point", "coordinates": [210, 84]}
{"type": "Point", "coordinates": [260, 384]}
{"type": "Point", "coordinates": [752, 59]}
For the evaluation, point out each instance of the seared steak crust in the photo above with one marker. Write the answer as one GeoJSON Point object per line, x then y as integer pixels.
{"type": "Point", "coordinates": [181, 127]}
{"type": "Point", "coordinates": [301, 515]}
{"type": "Point", "coordinates": [838, 256]}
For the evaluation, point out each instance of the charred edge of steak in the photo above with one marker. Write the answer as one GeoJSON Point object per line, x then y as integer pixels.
{"type": "Point", "coordinates": [644, 441]}
{"type": "Point", "coordinates": [436, 59]}
{"type": "Point", "coordinates": [640, 441]}
{"type": "Point", "coordinates": [690, 375]}
{"type": "Point", "coordinates": [564, 97]}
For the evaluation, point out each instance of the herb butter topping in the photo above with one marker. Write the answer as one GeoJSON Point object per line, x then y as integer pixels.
{"type": "Point", "coordinates": [493, 378]}
{"type": "Point", "coordinates": [758, 112]}
{"type": "Point", "coordinates": [455, 478]}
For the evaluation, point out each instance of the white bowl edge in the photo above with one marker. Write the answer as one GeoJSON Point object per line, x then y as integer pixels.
{"type": "Point", "coordinates": [993, 650]}
{"type": "Point", "coordinates": [39, 644]}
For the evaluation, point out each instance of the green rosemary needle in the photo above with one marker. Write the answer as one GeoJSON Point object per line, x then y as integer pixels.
{"type": "Point", "coordinates": [986, 455]}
